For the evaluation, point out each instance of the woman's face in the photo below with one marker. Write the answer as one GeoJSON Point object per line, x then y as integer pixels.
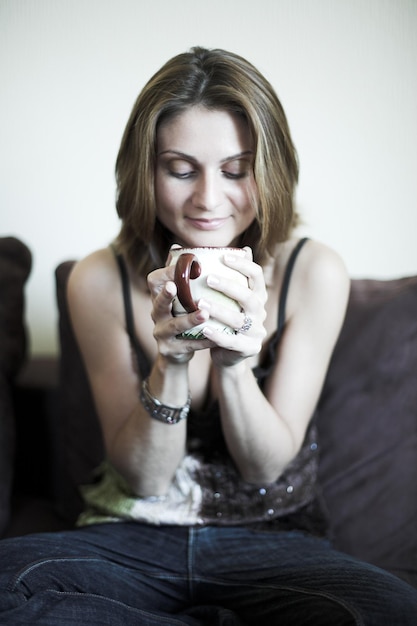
{"type": "Point", "coordinates": [204, 182]}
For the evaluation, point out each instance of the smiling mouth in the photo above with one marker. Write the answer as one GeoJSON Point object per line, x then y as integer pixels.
{"type": "Point", "coordinates": [207, 224]}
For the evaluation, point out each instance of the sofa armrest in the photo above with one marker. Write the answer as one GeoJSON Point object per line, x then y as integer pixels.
{"type": "Point", "coordinates": [15, 266]}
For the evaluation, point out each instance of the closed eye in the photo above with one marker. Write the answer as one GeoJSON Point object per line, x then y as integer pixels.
{"type": "Point", "coordinates": [182, 175]}
{"type": "Point", "coordinates": [234, 176]}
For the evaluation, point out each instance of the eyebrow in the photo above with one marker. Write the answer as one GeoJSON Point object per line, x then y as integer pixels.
{"type": "Point", "coordinates": [188, 157]}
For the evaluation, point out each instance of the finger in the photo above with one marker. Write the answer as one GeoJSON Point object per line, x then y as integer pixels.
{"type": "Point", "coordinates": [239, 321]}
{"type": "Point", "coordinates": [228, 317]}
{"type": "Point", "coordinates": [243, 344]}
{"type": "Point", "coordinates": [162, 301]}
{"type": "Point", "coordinates": [174, 326]}
{"type": "Point", "coordinates": [248, 268]}
{"type": "Point", "coordinates": [249, 253]}
{"type": "Point", "coordinates": [175, 246]}
{"type": "Point", "coordinates": [250, 300]}
{"type": "Point", "coordinates": [157, 278]}
{"type": "Point", "coordinates": [171, 343]}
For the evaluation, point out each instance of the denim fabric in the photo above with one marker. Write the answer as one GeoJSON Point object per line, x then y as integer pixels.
{"type": "Point", "coordinates": [134, 574]}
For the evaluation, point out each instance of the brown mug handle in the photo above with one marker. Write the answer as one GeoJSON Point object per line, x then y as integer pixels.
{"type": "Point", "coordinates": [187, 267]}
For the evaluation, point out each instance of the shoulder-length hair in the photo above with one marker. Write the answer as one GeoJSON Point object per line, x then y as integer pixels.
{"type": "Point", "coordinates": [216, 79]}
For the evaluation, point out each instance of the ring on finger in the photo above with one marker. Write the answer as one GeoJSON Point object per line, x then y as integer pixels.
{"type": "Point", "coordinates": [247, 324]}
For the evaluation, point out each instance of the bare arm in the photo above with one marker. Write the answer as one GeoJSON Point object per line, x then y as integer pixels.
{"type": "Point", "coordinates": [265, 432]}
{"type": "Point", "coordinates": [146, 452]}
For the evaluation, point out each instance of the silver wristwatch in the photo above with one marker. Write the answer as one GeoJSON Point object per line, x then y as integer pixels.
{"type": "Point", "coordinates": [163, 412]}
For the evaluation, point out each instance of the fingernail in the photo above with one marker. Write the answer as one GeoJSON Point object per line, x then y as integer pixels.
{"type": "Point", "coordinates": [170, 289]}
{"type": "Point", "coordinates": [203, 304]}
{"type": "Point", "coordinates": [201, 316]}
{"type": "Point", "coordinates": [212, 280]}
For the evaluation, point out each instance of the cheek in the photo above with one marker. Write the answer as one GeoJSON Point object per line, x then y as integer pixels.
{"type": "Point", "coordinates": [249, 198]}
{"type": "Point", "coordinates": [169, 205]}
{"type": "Point", "coordinates": [163, 195]}
{"type": "Point", "coordinates": [168, 192]}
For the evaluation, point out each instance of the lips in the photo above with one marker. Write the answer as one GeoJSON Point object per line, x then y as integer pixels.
{"type": "Point", "coordinates": [207, 224]}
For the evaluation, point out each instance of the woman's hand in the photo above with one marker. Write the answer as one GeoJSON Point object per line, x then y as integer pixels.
{"type": "Point", "coordinates": [227, 350]}
{"type": "Point", "coordinates": [167, 327]}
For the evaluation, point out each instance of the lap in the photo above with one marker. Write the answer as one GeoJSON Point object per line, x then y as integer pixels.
{"type": "Point", "coordinates": [301, 579]}
{"type": "Point", "coordinates": [133, 573]}
{"type": "Point", "coordinates": [105, 570]}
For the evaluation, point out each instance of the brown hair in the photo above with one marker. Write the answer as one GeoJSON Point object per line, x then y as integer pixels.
{"type": "Point", "coordinates": [216, 79]}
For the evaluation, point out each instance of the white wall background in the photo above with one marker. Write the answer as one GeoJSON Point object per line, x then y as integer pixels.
{"type": "Point", "coordinates": [345, 71]}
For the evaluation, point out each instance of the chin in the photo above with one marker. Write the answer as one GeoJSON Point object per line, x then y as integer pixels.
{"type": "Point", "coordinates": [206, 242]}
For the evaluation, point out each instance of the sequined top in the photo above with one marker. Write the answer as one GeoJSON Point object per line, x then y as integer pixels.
{"type": "Point", "coordinates": [207, 488]}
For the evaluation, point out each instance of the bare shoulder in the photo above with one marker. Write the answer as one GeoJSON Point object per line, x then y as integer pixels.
{"type": "Point", "coordinates": [320, 278]}
{"type": "Point", "coordinates": [322, 267]}
{"type": "Point", "coordinates": [96, 308]}
{"type": "Point", "coordinates": [93, 276]}
{"type": "Point", "coordinates": [94, 295]}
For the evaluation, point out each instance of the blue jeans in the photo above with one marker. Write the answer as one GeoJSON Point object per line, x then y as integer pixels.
{"type": "Point", "coordinates": [134, 574]}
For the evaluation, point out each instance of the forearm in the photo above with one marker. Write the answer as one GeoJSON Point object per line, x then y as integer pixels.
{"type": "Point", "coordinates": [259, 440]}
{"type": "Point", "coordinates": [147, 451]}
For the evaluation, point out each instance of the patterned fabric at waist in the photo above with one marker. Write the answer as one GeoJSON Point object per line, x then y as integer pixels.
{"type": "Point", "coordinates": [209, 491]}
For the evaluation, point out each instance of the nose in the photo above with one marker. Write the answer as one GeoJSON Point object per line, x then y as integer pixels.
{"type": "Point", "coordinates": [207, 192]}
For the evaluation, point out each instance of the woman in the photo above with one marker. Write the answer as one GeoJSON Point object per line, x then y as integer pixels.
{"type": "Point", "coordinates": [217, 510]}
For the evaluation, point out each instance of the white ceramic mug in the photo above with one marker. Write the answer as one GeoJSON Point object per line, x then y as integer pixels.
{"type": "Point", "coordinates": [192, 266]}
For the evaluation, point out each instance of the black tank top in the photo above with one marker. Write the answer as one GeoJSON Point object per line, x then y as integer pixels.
{"type": "Point", "coordinates": [289, 503]}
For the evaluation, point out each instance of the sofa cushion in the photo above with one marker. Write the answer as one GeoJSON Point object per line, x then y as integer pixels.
{"type": "Point", "coordinates": [15, 265]}
{"type": "Point", "coordinates": [367, 420]}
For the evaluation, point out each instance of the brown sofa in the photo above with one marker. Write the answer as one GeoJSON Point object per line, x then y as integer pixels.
{"type": "Point", "coordinates": [367, 420]}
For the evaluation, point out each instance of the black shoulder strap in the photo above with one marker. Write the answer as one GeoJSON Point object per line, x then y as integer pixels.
{"type": "Point", "coordinates": [141, 360]}
{"type": "Point", "coordinates": [286, 284]}
{"type": "Point", "coordinates": [263, 370]}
